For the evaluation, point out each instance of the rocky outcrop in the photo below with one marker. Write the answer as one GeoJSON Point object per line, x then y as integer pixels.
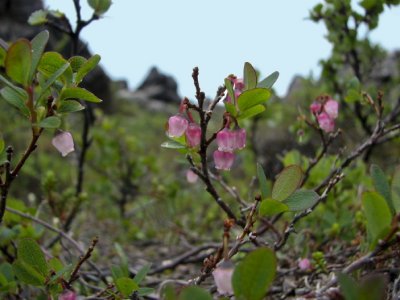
{"type": "Point", "coordinates": [158, 86]}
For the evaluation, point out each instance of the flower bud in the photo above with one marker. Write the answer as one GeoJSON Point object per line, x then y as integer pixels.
{"type": "Point", "coordinates": [325, 122]}
{"type": "Point", "coordinates": [191, 176]}
{"type": "Point", "coordinates": [193, 135]}
{"type": "Point", "coordinates": [177, 126]}
{"type": "Point", "coordinates": [223, 160]}
{"type": "Point", "coordinates": [63, 142]}
{"type": "Point", "coordinates": [67, 295]}
{"type": "Point", "coordinates": [226, 140]}
{"type": "Point", "coordinates": [223, 278]}
{"type": "Point", "coordinates": [331, 107]}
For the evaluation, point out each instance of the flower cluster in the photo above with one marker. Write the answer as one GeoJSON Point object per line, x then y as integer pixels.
{"type": "Point", "coordinates": [179, 125]}
{"type": "Point", "coordinates": [228, 141]}
{"type": "Point", "coordinates": [238, 86]}
{"type": "Point", "coordinates": [325, 109]}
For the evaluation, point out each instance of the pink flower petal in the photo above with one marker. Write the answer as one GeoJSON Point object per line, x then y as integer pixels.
{"type": "Point", "coordinates": [63, 142]}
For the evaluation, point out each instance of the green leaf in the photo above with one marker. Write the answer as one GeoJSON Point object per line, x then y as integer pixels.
{"type": "Point", "coordinates": [144, 291]}
{"type": "Point", "coordinates": [86, 68]}
{"type": "Point", "coordinates": [252, 98]}
{"type": "Point", "coordinates": [55, 264]}
{"type": "Point", "coordinates": [270, 207]}
{"type": "Point", "coordinates": [141, 274]}
{"type": "Point", "coordinates": [126, 286]}
{"type": "Point", "coordinates": [301, 200]}
{"type": "Point", "coordinates": [30, 252]}
{"type": "Point", "coordinates": [262, 182]}
{"type": "Point", "coordinates": [378, 216]}
{"type": "Point", "coordinates": [54, 77]}
{"type": "Point", "coordinates": [27, 274]}
{"type": "Point", "coordinates": [18, 61]}
{"type": "Point", "coordinates": [77, 62]}
{"type": "Point", "coordinates": [251, 112]}
{"type": "Point", "coordinates": [230, 108]}
{"type": "Point", "coordinates": [50, 122]}
{"type": "Point", "coordinates": [396, 189]}
{"type": "Point", "coordinates": [3, 54]}
{"type": "Point", "coordinates": [269, 81]}
{"type": "Point", "coordinates": [381, 184]}
{"type": "Point", "coordinates": [38, 43]}
{"type": "Point", "coordinates": [69, 106]}
{"type": "Point", "coordinates": [194, 293]}
{"type": "Point", "coordinates": [249, 76]}
{"type": "Point", "coordinates": [52, 62]}
{"type": "Point", "coordinates": [2, 144]}
{"type": "Point", "coordinates": [287, 182]}
{"type": "Point", "coordinates": [173, 145]}
{"type": "Point", "coordinates": [352, 96]}
{"type": "Point", "coordinates": [349, 287]}
{"type": "Point", "coordinates": [231, 91]}
{"type": "Point", "coordinates": [100, 6]}
{"type": "Point", "coordinates": [38, 17]}
{"type": "Point", "coordinates": [124, 267]}
{"type": "Point", "coordinates": [79, 94]}
{"type": "Point", "coordinates": [16, 99]}
{"type": "Point", "coordinates": [254, 274]}
{"type": "Point", "coordinates": [64, 272]}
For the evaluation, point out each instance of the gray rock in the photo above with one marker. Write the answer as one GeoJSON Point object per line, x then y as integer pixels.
{"type": "Point", "coordinates": [159, 86]}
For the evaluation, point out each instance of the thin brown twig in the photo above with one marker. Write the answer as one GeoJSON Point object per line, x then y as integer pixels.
{"type": "Point", "coordinates": [74, 275]}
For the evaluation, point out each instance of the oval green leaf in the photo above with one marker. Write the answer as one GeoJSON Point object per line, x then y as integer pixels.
{"type": "Point", "coordinates": [194, 293]}
{"type": "Point", "coordinates": [69, 106]}
{"type": "Point", "coordinates": [381, 184]}
{"type": "Point", "coordinates": [262, 182]}
{"type": "Point", "coordinates": [86, 68]}
{"type": "Point", "coordinates": [269, 81]}
{"type": "Point", "coordinates": [251, 112]}
{"type": "Point", "coordinates": [50, 122]}
{"type": "Point", "coordinates": [18, 61]}
{"type": "Point", "coordinates": [301, 200]}
{"type": "Point", "coordinates": [38, 43]}
{"type": "Point", "coordinates": [16, 99]}
{"type": "Point", "coordinates": [287, 182]}
{"type": "Point", "coordinates": [254, 274]}
{"type": "Point", "coordinates": [30, 253]}
{"type": "Point", "coordinates": [378, 216]}
{"type": "Point", "coordinates": [249, 76]}
{"type": "Point", "coordinates": [395, 188]}
{"type": "Point", "coordinates": [126, 286]}
{"type": "Point", "coordinates": [78, 94]}
{"type": "Point", "coordinates": [252, 98]}
{"type": "Point", "coordinates": [270, 207]}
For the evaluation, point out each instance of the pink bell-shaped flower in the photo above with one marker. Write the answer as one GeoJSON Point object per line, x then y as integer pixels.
{"type": "Point", "coordinates": [240, 138]}
{"type": "Point", "coordinates": [226, 140]}
{"type": "Point", "coordinates": [191, 176]}
{"type": "Point", "coordinates": [223, 278]}
{"type": "Point", "coordinates": [63, 142]}
{"type": "Point", "coordinates": [325, 122]}
{"type": "Point", "coordinates": [193, 135]}
{"type": "Point", "coordinates": [304, 264]}
{"type": "Point", "coordinates": [67, 295]}
{"type": "Point", "coordinates": [315, 107]}
{"type": "Point", "coordinates": [177, 126]}
{"type": "Point", "coordinates": [331, 107]}
{"type": "Point", "coordinates": [223, 160]}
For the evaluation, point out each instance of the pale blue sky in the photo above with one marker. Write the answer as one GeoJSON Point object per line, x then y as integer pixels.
{"type": "Point", "coordinates": [218, 36]}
